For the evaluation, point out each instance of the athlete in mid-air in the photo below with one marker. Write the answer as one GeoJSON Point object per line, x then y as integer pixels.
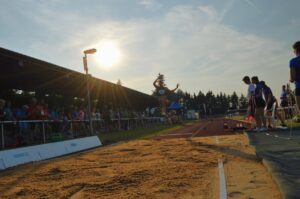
{"type": "Point", "coordinates": [163, 91]}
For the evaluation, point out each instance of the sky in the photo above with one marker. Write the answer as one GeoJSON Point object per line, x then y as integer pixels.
{"type": "Point", "coordinates": [200, 44]}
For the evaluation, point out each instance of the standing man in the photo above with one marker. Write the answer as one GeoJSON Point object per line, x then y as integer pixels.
{"type": "Point", "coordinates": [295, 71]}
{"type": "Point", "coordinates": [284, 103]}
{"type": "Point", "coordinates": [250, 94]}
{"type": "Point", "coordinates": [271, 100]}
{"type": "Point", "coordinates": [259, 105]}
{"type": "Point", "coordinates": [283, 97]}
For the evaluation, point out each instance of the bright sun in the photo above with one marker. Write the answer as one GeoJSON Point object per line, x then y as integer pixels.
{"type": "Point", "coordinates": [108, 54]}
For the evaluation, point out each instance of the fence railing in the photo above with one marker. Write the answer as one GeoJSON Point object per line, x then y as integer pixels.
{"type": "Point", "coordinates": [30, 132]}
{"type": "Point", "coordinates": [286, 112]}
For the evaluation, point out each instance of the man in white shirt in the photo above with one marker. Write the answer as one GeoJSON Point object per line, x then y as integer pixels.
{"type": "Point", "coordinates": [251, 90]}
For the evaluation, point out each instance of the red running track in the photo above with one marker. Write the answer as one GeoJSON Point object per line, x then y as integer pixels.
{"type": "Point", "coordinates": [209, 127]}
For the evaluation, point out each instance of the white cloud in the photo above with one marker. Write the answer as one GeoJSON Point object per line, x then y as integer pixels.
{"type": "Point", "coordinates": [250, 3]}
{"type": "Point", "coordinates": [210, 12]}
{"type": "Point", "coordinates": [150, 4]}
{"type": "Point", "coordinates": [189, 44]}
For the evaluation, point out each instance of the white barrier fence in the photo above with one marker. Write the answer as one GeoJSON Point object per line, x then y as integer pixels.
{"type": "Point", "coordinates": [14, 157]}
{"type": "Point", "coordinates": [31, 132]}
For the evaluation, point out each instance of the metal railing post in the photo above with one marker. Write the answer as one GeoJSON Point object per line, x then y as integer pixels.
{"type": "Point", "coordinates": [71, 129]}
{"type": "Point", "coordinates": [119, 123]}
{"type": "Point", "coordinates": [44, 133]}
{"type": "Point", "coordinates": [2, 135]}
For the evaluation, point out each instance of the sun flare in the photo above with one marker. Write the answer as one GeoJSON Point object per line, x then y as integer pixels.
{"type": "Point", "coordinates": [109, 54]}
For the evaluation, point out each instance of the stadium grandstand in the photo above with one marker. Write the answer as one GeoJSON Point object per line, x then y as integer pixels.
{"type": "Point", "coordinates": [21, 72]}
{"type": "Point", "coordinates": [42, 102]}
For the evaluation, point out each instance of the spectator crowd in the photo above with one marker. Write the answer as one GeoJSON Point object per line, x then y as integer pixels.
{"type": "Point", "coordinates": [25, 124]}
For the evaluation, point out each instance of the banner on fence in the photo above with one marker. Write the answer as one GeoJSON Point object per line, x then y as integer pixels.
{"type": "Point", "coordinates": [14, 157]}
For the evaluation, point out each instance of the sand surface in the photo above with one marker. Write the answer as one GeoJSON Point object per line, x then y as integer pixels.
{"type": "Point", "coordinates": [164, 168]}
{"type": "Point", "coordinates": [246, 176]}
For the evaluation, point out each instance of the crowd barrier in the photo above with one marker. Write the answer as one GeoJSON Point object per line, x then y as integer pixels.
{"type": "Point", "coordinates": [286, 113]}
{"type": "Point", "coordinates": [15, 134]}
{"type": "Point", "coordinates": [13, 157]}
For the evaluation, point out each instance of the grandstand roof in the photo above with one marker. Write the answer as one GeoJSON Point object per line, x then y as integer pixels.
{"type": "Point", "coordinates": [26, 73]}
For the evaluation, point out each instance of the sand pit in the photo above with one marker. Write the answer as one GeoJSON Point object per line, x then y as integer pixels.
{"type": "Point", "coordinates": [165, 168]}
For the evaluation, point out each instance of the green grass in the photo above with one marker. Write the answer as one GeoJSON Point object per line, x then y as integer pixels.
{"type": "Point", "coordinates": [139, 133]}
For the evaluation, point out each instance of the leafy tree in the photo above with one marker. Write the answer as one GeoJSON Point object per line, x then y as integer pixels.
{"type": "Point", "coordinates": [119, 83]}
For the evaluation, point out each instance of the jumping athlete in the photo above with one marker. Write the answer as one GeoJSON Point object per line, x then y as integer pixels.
{"type": "Point", "coordinates": [163, 92]}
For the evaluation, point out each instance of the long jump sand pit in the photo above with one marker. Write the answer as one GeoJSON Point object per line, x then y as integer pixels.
{"type": "Point", "coordinates": [157, 168]}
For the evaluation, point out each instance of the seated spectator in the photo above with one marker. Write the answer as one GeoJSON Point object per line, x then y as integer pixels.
{"type": "Point", "coordinates": [97, 114]}
{"type": "Point", "coordinates": [54, 115]}
{"type": "Point", "coordinates": [21, 115]}
{"type": "Point", "coordinates": [42, 110]}
{"type": "Point", "coordinates": [8, 114]}
{"type": "Point", "coordinates": [81, 114]}
{"type": "Point", "coordinates": [33, 110]}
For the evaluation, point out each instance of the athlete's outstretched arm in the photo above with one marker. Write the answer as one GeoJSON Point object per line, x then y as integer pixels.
{"type": "Point", "coordinates": [177, 86]}
{"type": "Point", "coordinates": [154, 83]}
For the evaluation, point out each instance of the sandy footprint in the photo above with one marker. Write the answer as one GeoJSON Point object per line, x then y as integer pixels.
{"type": "Point", "coordinates": [235, 194]}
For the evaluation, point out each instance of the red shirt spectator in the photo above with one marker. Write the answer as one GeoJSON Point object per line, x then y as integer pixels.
{"type": "Point", "coordinates": [45, 112]}
{"type": "Point", "coordinates": [33, 110]}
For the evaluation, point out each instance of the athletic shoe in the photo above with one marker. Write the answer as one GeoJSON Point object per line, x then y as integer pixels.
{"type": "Point", "coordinates": [270, 127]}
{"type": "Point", "coordinates": [263, 129]}
{"type": "Point", "coordinates": [256, 129]}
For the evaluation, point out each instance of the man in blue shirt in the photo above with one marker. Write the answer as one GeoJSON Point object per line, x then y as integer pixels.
{"type": "Point", "coordinates": [271, 100]}
{"type": "Point", "coordinates": [259, 105]}
{"type": "Point", "coordinates": [295, 71]}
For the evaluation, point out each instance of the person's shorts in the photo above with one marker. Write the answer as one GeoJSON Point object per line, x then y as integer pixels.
{"type": "Point", "coordinates": [270, 105]}
{"type": "Point", "coordinates": [297, 91]}
{"type": "Point", "coordinates": [284, 103]}
{"type": "Point", "coordinates": [260, 102]}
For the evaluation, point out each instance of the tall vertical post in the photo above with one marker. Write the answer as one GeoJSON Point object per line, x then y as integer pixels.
{"type": "Point", "coordinates": [88, 94]}
{"type": "Point", "coordinates": [71, 129]}
{"type": "Point", "coordinates": [44, 133]}
{"type": "Point", "coordinates": [2, 136]}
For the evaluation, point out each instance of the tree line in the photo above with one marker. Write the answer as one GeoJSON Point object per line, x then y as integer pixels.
{"type": "Point", "coordinates": [212, 103]}
{"type": "Point", "coordinates": [208, 103]}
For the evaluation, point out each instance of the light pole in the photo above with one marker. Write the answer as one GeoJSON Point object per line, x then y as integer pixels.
{"type": "Point", "coordinates": [89, 51]}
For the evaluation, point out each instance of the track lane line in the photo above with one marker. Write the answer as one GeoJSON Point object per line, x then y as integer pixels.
{"type": "Point", "coordinates": [222, 178]}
